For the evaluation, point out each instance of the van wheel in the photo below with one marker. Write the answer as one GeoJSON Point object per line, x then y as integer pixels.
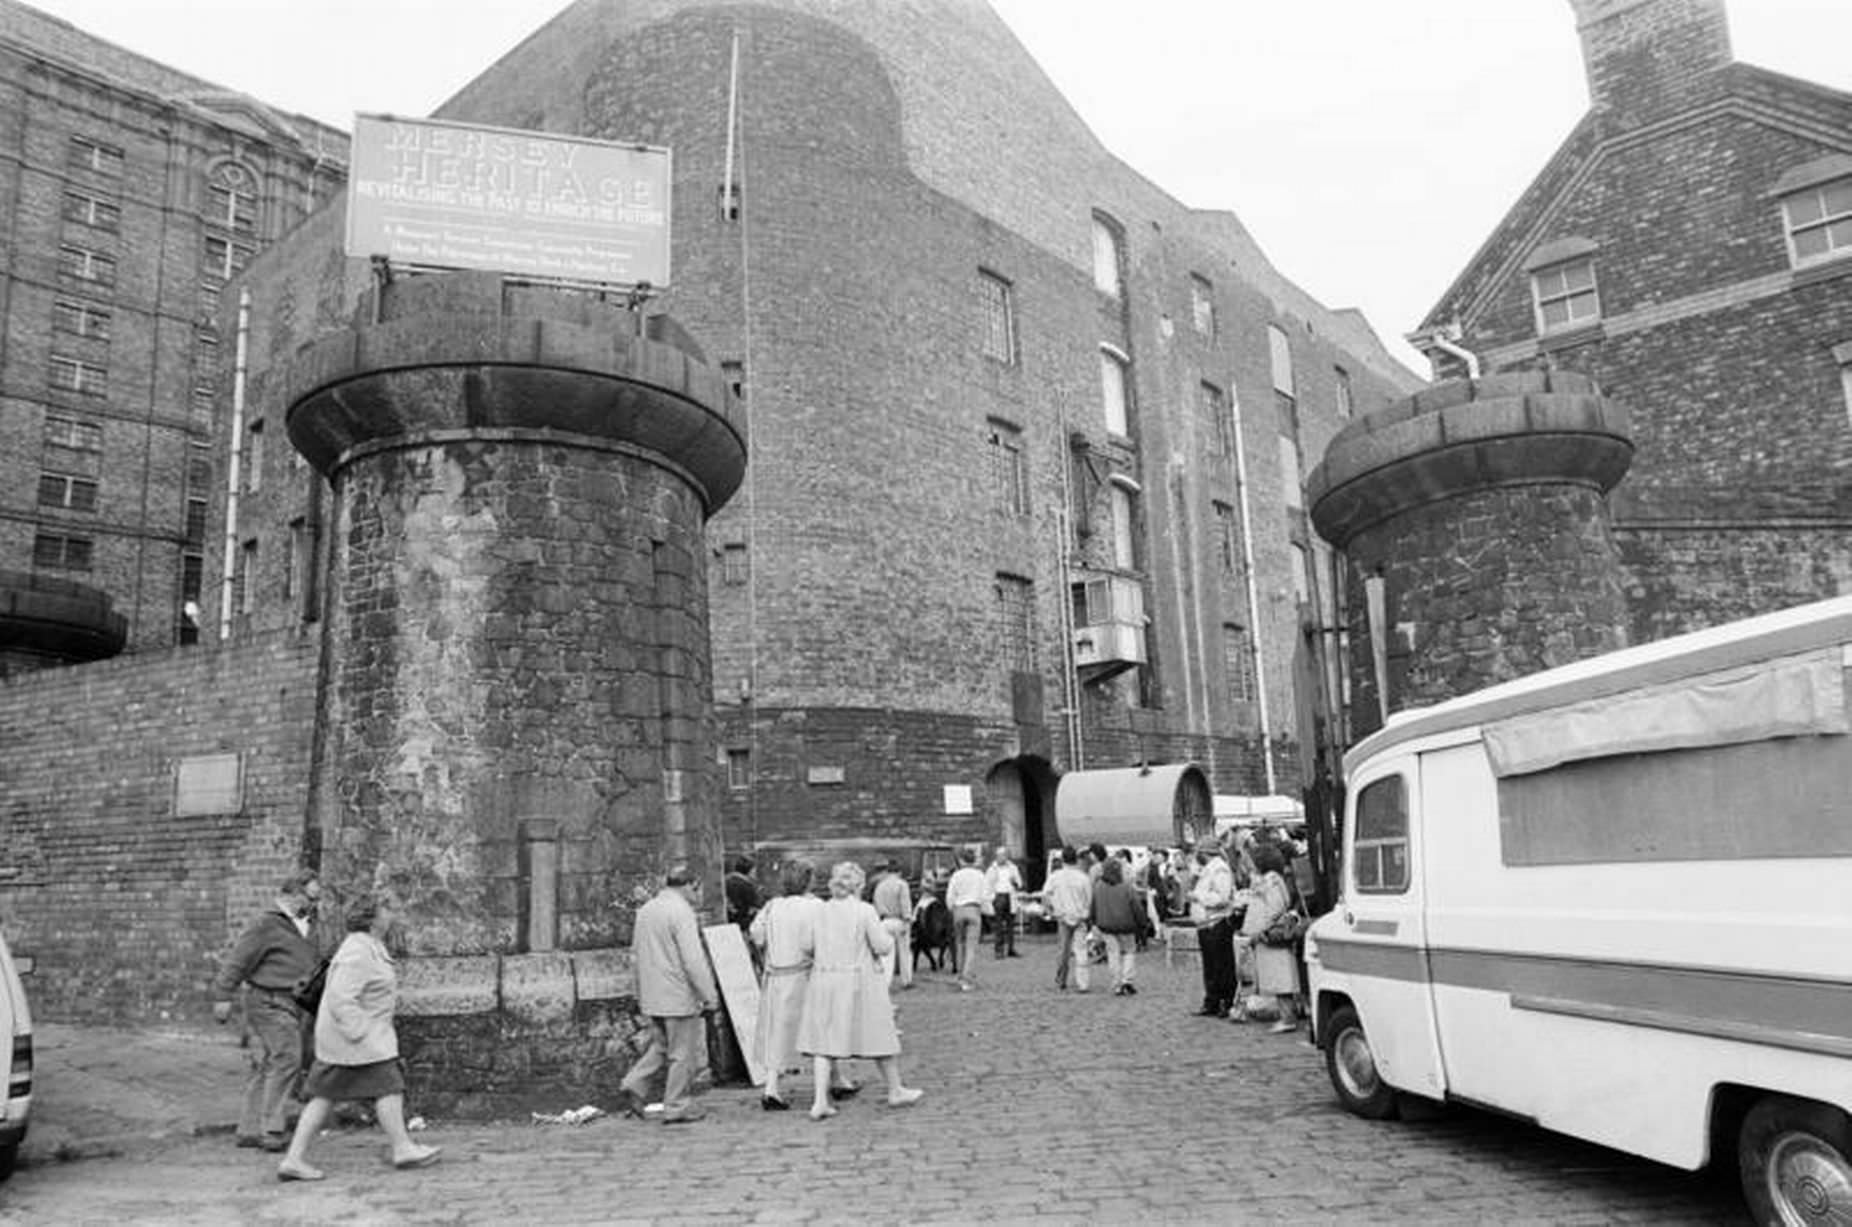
{"type": "Point", "coordinates": [9, 1158]}
{"type": "Point", "coordinates": [1792, 1156]}
{"type": "Point", "coordinates": [1351, 1063]}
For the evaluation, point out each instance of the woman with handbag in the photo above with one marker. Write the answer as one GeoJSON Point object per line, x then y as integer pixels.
{"type": "Point", "coordinates": [1268, 933]}
{"type": "Point", "coordinates": [356, 1048]}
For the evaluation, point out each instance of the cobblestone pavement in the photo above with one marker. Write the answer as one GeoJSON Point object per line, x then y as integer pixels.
{"type": "Point", "coordinates": [1041, 1106]}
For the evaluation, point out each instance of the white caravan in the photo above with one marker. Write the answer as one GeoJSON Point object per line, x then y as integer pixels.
{"type": "Point", "coordinates": [1615, 899]}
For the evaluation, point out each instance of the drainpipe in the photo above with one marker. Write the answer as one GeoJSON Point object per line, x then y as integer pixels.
{"type": "Point", "coordinates": [1247, 564]}
{"type": "Point", "coordinates": [234, 469]}
{"type": "Point", "coordinates": [1447, 340]}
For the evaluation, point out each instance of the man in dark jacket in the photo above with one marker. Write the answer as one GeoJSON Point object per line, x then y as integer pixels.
{"type": "Point", "coordinates": [274, 952]}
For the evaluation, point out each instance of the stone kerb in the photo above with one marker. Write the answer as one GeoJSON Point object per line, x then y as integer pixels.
{"type": "Point", "coordinates": [1546, 427]}
{"type": "Point", "coordinates": [462, 352]}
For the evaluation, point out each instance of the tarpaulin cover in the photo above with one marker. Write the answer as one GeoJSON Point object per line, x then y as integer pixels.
{"type": "Point", "coordinates": [1795, 696]}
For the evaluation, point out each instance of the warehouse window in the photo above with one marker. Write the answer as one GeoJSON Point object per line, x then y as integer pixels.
{"type": "Point", "coordinates": [1108, 256]}
{"type": "Point", "coordinates": [254, 457]}
{"type": "Point", "coordinates": [1115, 391]}
{"type": "Point", "coordinates": [1238, 661]}
{"type": "Point", "coordinates": [1016, 621]}
{"type": "Point", "coordinates": [1124, 508]}
{"type": "Point", "coordinates": [1346, 402]}
{"type": "Point", "coordinates": [223, 259]}
{"type": "Point", "coordinates": [86, 154]}
{"type": "Point", "coordinates": [1565, 295]}
{"type": "Point", "coordinates": [739, 770]}
{"type": "Point", "coordinates": [93, 211]}
{"type": "Point", "coordinates": [1202, 306]}
{"type": "Point", "coordinates": [997, 316]}
{"type": "Point", "coordinates": [1008, 473]}
{"type": "Point", "coordinates": [231, 199]}
{"type": "Point", "coordinates": [86, 265]}
{"type": "Point", "coordinates": [81, 319]}
{"type": "Point", "coordinates": [66, 491]}
{"type": "Point", "coordinates": [1819, 222]}
{"type": "Point", "coordinates": [247, 577]}
{"type": "Point", "coordinates": [74, 375]}
{"type": "Point", "coordinates": [733, 558]}
{"type": "Point", "coordinates": [1228, 538]}
{"type": "Point", "coordinates": [73, 434]}
{"type": "Point", "coordinates": [1218, 427]}
{"type": "Point", "coordinates": [57, 552]}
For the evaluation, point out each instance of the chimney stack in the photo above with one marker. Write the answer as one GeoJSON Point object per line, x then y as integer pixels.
{"type": "Point", "coordinates": [1648, 58]}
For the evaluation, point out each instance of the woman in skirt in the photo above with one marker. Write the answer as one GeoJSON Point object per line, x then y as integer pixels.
{"type": "Point", "coordinates": [356, 1049]}
{"type": "Point", "coordinates": [782, 932]}
{"type": "Point", "coordinates": [847, 1012]}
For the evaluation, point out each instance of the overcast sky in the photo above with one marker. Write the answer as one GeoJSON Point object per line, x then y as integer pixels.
{"type": "Point", "coordinates": [1369, 145]}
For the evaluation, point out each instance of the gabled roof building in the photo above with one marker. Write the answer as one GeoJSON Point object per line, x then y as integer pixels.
{"type": "Point", "coordinates": [1689, 246]}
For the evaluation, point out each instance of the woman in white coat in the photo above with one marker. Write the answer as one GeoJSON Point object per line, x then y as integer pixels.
{"type": "Point", "coordinates": [782, 930]}
{"type": "Point", "coordinates": [356, 1048]}
{"type": "Point", "coordinates": [847, 1012]}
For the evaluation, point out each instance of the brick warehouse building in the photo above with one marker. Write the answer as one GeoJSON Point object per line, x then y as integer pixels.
{"type": "Point", "coordinates": [1687, 248]}
{"type": "Point", "coordinates": [993, 529]}
{"type": "Point", "coordinates": [133, 194]}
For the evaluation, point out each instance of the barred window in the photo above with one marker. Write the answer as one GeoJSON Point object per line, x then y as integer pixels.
{"type": "Point", "coordinates": [81, 319]}
{"type": "Point", "coordinates": [66, 491]}
{"type": "Point", "coordinates": [94, 211]}
{"type": "Point", "coordinates": [1016, 621]}
{"type": "Point", "coordinates": [997, 314]}
{"type": "Point", "coordinates": [1008, 471]}
{"type": "Point", "coordinates": [86, 154]}
{"type": "Point", "coordinates": [73, 375]}
{"type": "Point", "coordinates": [55, 552]}
{"type": "Point", "coordinates": [1219, 427]}
{"type": "Point", "coordinates": [86, 265]}
{"type": "Point", "coordinates": [1238, 659]}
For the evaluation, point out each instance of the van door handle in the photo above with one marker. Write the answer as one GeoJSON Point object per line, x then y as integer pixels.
{"type": "Point", "coordinates": [1349, 919]}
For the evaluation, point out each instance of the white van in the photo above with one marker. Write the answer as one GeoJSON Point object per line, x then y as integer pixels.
{"type": "Point", "coordinates": [1615, 899]}
{"type": "Point", "coordinates": [16, 1031]}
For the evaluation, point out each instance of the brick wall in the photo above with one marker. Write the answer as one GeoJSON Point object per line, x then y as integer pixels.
{"type": "Point", "coordinates": [124, 906]}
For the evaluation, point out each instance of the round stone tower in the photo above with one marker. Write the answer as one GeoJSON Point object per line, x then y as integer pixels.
{"type": "Point", "coordinates": [514, 726]}
{"type": "Point", "coordinates": [1475, 527]}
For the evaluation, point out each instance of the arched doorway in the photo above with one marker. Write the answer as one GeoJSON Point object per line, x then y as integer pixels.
{"type": "Point", "coordinates": [1021, 791]}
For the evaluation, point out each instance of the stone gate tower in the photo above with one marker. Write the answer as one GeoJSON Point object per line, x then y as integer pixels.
{"type": "Point", "coordinates": [515, 726]}
{"type": "Point", "coordinates": [1474, 521]}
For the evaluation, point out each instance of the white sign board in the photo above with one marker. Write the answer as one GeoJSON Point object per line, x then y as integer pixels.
{"type": "Point", "coordinates": [445, 195]}
{"type": "Point", "coordinates": [739, 992]}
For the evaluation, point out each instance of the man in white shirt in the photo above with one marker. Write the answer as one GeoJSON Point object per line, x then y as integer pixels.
{"type": "Point", "coordinates": [893, 901]}
{"type": "Point", "coordinates": [964, 894]}
{"type": "Point", "coordinates": [1070, 900]}
{"type": "Point", "coordinates": [1212, 905]}
{"type": "Point", "coordinates": [1003, 881]}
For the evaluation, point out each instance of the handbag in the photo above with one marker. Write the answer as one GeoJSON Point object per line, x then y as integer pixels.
{"type": "Point", "coordinates": [1286, 929]}
{"type": "Point", "coordinates": [307, 992]}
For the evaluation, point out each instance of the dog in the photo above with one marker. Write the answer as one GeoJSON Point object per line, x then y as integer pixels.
{"type": "Point", "coordinates": [932, 935]}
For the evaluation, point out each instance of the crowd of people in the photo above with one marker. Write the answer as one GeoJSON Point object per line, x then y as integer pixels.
{"type": "Point", "coordinates": [323, 1031]}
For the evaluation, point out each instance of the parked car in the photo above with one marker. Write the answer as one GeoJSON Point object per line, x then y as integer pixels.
{"type": "Point", "coordinates": [16, 1026]}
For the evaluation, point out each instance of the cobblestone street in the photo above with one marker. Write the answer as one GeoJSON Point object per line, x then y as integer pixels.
{"type": "Point", "coordinates": [1040, 1106]}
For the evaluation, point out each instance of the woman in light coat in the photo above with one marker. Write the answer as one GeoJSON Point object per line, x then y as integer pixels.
{"type": "Point", "coordinates": [782, 932]}
{"type": "Point", "coordinates": [847, 1012]}
{"type": "Point", "coordinates": [356, 1048]}
{"type": "Point", "coordinates": [1276, 968]}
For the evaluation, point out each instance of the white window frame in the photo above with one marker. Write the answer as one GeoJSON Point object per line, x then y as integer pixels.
{"type": "Point", "coordinates": [80, 319]}
{"type": "Point", "coordinates": [1347, 402]}
{"type": "Point", "coordinates": [68, 485]}
{"type": "Point", "coordinates": [1834, 221]}
{"type": "Point", "coordinates": [1550, 285]}
{"type": "Point", "coordinates": [1202, 305]}
{"type": "Point", "coordinates": [1108, 256]}
{"type": "Point", "coordinates": [223, 258]}
{"type": "Point", "coordinates": [1122, 503]}
{"type": "Point", "coordinates": [76, 375]}
{"type": "Point", "coordinates": [1116, 390]}
{"type": "Point", "coordinates": [92, 211]}
{"type": "Point", "coordinates": [95, 155]}
{"type": "Point", "coordinates": [232, 208]}
{"type": "Point", "coordinates": [87, 265]}
{"type": "Point", "coordinates": [66, 432]}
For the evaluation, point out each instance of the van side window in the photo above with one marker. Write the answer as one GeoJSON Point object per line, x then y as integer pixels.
{"type": "Point", "coordinates": [1381, 841]}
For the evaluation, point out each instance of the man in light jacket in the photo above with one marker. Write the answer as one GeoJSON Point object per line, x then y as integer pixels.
{"type": "Point", "coordinates": [1212, 904]}
{"type": "Point", "coordinates": [1069, 893]}
{"type": "Point", "coordinates": [675, 988]}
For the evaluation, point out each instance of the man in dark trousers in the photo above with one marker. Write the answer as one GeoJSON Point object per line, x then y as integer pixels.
{"type": "Point", "coordinates": [675, 988]}
{"type": "Point", "coordinates": [274, 952]}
